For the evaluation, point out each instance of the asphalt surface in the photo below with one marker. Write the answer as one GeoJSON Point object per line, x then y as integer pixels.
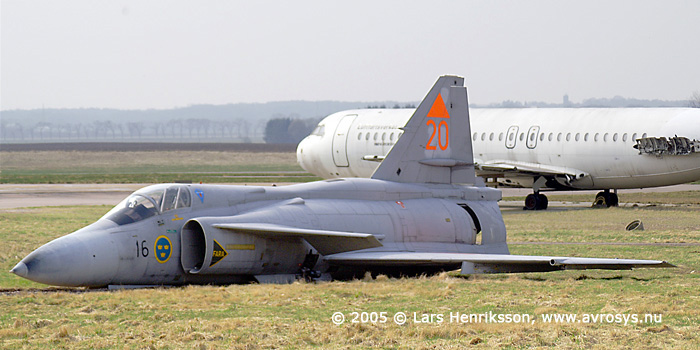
{"type": "Point", "coordinates": [13, 196]}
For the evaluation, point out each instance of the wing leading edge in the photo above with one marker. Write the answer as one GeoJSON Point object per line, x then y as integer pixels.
{"type": "Point", "coordinates": [488, 263]}
{"type": "Point", "coordinates": [325, 242]}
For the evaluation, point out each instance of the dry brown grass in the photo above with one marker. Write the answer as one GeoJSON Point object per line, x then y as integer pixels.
{"type": "Point", "coordinates": [57, 160]}
{"type": "Point", "coordinates": [147, 167]}
{"type": "Point", "coordinates": [299, 315]}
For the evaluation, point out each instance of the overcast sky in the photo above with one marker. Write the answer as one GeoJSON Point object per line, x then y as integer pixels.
{"type": "Point", "coordinates": [164, 54]}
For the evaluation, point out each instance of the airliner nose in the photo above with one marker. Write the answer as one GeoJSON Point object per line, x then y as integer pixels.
{"type": "Point", "coordinates": [303, 156]}
{"type": "Point", "coordinates": [84, 258]}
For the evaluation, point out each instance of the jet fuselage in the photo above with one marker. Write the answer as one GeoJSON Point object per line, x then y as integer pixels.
{"type": "Point", "coordinates": [156, 237]}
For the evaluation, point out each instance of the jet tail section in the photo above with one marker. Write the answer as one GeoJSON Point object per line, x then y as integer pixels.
{"type": "Point", "coordinates": [436, 144]}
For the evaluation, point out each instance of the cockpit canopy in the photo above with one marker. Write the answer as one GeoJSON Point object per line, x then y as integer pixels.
{"type": "Point", "coordinates": [319, 130]}
{"type": "Point", "coordinates": [150, 201]}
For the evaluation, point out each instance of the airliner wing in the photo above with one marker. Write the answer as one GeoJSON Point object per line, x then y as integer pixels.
{"type": "Point", "coordinates": [488, 263]}
{"type": "Point", "coordinates": [525, 168]}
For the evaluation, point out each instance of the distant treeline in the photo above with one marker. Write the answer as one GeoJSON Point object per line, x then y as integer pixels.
{"type": "Point", "coordinates": [273, 122]}
{"type": "Point", "coordinates": [204, 123]}
{"type": "Point", "coordinates": [615, 102]}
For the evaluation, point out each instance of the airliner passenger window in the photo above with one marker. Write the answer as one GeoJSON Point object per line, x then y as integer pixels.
{"type": "Point", "coordinates": [605, 137]}
{"type": "Point", "coordinates": [359, 136]}
{"type": "Point", "coordinates": [568, 137]}
{"type": "Point", "coordinates": [491, 137]}
{"type": "Point", "coordinates": [522, 136]}
{"type": "Point", "coordinates": [634, 137]}
{"type": "Point", "coordinates": [550, 137]}
{"type": "Point", "coordinates": [644, 135]}
{"type": "Point", "coordinates": [578, 136]}
{"type": "Point", "coordinates": [542, 137]}
{"type": "Point", "coordinates": [474, 137]}
{"type": "Point", "coordinates": [391, 137]}
{"type": "Point", "coordinates": [596, 137]}
{"type": "Point", "coordinates": [624, 137]}
{"type": "Point", "coordinates": [585, 137]}
{"type": "Point", "coordinates": [483, 136]}
{"type": "Point", "coordinates": [376, 136]}
{"type": "Point", "coordinates": [559, 137]}
{"type": "Point", "coordinates": [367, 137]}
{"type": "Point", "coordinates": [500, 137]}
{"type": "Point", "coordinates": [383, 136]}
{"type": "Point", "coordinates": [615, 137]}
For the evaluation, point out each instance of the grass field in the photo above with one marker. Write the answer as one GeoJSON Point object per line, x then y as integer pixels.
{"type": "Point", "coordinates": [80, 166]}
{"type": "Point", "coordinates": [299, 315]}
{"type": "Point", "coordinates": [148, 167]}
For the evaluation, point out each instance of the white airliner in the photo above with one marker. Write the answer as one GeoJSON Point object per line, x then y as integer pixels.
{"type": "Point", "coordinates": [545, 149]}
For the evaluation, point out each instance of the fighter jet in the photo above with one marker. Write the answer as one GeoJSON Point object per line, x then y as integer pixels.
{"type": "Point", "coordinates": [423, 210]}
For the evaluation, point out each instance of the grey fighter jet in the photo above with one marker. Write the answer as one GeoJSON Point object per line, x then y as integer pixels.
{"type": "Point", "coordinates": [423, 210]}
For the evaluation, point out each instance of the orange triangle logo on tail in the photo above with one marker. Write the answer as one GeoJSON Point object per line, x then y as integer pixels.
{"type": "Point", "coordinates": [438, 109]}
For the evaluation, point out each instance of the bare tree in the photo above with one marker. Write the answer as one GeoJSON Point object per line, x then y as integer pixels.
{"type": "Point", "coordinates": [158, 128]}
{"type": "Point", "coordinates": [119, 127]}
{"type": "Point", "coordinates": [135, 129]}
{"type": "Point", "coordinates": [244, 130]}
{"type": "Point", "coordinates": [694, 101]}
{"type": "Point", "coordinates": [3, 128]}
{"type": "Point", "coordinates": [206, 124]}
{"type": "Point", "coordinates": [42, 127]}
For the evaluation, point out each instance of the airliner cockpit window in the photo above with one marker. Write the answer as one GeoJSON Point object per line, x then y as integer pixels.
{"type": "Point", "coordinates": [319, 131]}
{"type": "Point", "coordinates": [149, 201]}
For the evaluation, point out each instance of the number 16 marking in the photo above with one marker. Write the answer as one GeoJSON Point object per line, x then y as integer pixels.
{"type": "Point", "coordinates": [438, 129]}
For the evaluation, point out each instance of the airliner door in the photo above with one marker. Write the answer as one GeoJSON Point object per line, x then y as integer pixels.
{"type": "Point", "coordinates": [532, 134]}
{"type": "Point", "coordinates": [512, 136]}
{"type": "Point", "coordinates": [340, 140]}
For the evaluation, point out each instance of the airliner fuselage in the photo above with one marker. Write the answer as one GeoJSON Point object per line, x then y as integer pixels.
{"type": "Point", "coordinates": [546, 149]}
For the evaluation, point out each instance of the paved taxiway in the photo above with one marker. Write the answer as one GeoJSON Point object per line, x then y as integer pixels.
{"type": "Point", "coordinates": [14, 196]}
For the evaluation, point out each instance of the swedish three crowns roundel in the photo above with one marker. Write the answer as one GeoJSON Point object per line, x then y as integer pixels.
{"type": "Point", "coordinates": [163, 248]}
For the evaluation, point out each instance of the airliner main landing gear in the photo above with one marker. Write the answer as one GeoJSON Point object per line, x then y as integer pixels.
{"type": "Point", "coordinates": [536, 201]}
{"type": "Point", "coordinates": [606, 199]}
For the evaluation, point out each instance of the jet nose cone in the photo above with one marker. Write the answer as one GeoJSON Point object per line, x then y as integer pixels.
{"type": "Point", "coordinates": [20, 270]}
{"type": "Point", "coordinates": [85, 259]}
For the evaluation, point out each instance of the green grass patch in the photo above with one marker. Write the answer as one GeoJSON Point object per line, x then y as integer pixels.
{"type": "Point", "coordinates": [662, 225]}
{"type": "Point", "coordinates": [23, 230]}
